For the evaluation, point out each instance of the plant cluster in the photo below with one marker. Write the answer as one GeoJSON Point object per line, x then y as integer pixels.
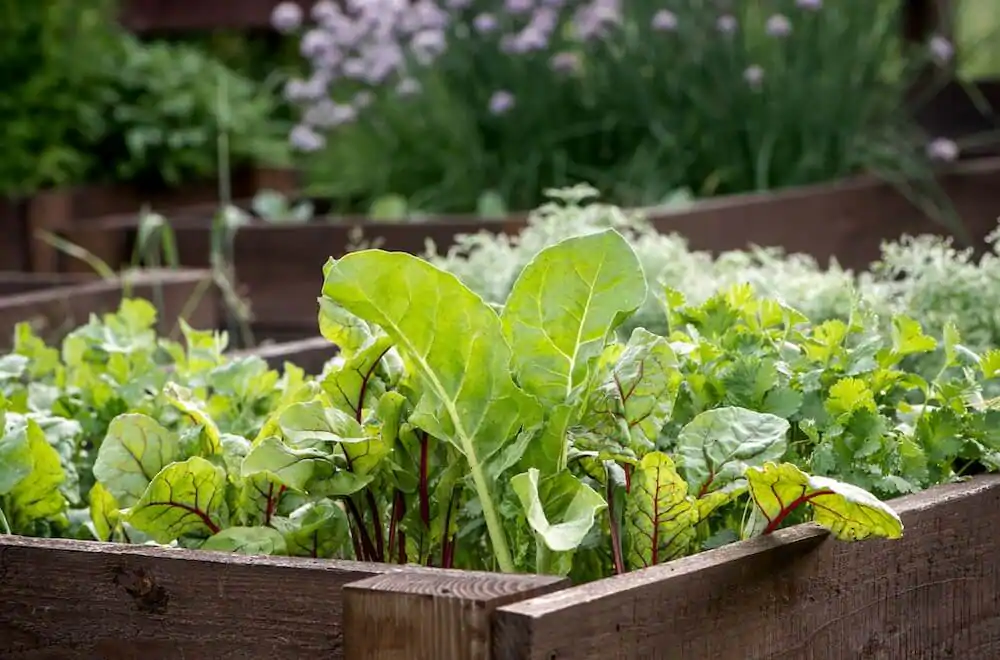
{"type": "Point", "coordinates": [530, 438]}
{"type": "Point", "coordinates": [441, 102]}
{"type": "Point", "coordinates": [924, 277]}
{"type": "Point", "coordinates": [81, 93]}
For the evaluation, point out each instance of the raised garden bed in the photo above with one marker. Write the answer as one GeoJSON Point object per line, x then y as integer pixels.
{"type": "Point", "coordinates": [63, 211]}
{"type": "Point", "coordinates": [56, 303]}
{"type": "Point", "coordinates": [795, 594]}
{"type": "Point", "coordinates": [279, 265]}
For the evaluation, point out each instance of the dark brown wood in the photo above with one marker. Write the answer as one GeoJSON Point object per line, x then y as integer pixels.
{"type": "Point", "coordinates": [79, 600]}
{"type": "Point", "coordinates": [431, 615]}
{"type": "Point", "coordinates": [13, 238]}
{"type": "Point", "coordinates": [309, 354]}
{"type": "Point", "coordinates": [55, 311]}
{"type": "Point", "coordinates": [968, 113]}
{"type": "Point", "coordinates": [66, 211]}
{"type": "Point", "coordinates": [145, 16]}
{"type": "Point", "coordinates": [796, 594]}
{"type": "Point", "coordinates": [846, 221]}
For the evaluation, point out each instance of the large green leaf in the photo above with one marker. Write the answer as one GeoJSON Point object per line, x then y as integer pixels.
{"type": "Point", "coordinates": [134, 451]}
{"type": "Point", "coordinates": [184, 499]}
{"type": "Point", "coordinates": [717, 446]}
{"type": "Point", "coordinates": [37, 496]}
{"type": "Point", "coordinates": [564, 305]}
{"type": "Point", "coordinates": [311, 423]}
{"type": "Point", "coordinates": [560, 508]}
{"type": "Point", "coordinates": [453, 344]}
{"type": "Point", "coordinates": [105, 514]}
{"type": "Point", "coordinates": [660, 518]}
{"type": "Point", "coordinates": [16, 460]}
{"type": "Point", "coordinates": [849, 512]}
{"type": "Point", "coordinates": [184, 400]}
{"type": "Point", "coordinates": [354, 386]}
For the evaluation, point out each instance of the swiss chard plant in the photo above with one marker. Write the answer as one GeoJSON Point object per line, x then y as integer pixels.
{"type": "Point", "coordinates": [529, 437]}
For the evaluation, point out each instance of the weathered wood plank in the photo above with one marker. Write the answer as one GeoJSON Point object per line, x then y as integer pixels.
{"type": "Point", "coordinates": [81, 600]}
{"type": "Point", "coordinates": [431, 614]}
{"type": "Point", "coordinates": [309, 354]}
{"type": "Point", "coordinates": [54, 311]}
{"type": "Point", "coordinates": [933, 594]}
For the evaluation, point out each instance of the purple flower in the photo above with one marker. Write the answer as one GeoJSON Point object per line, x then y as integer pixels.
{"type": "Point", "coordinates": [408, 87]}
{"type": "Point", "coordinates": [501, 102]}
{"type": "Point", "coordinates": [592, 20]}
{"type": "Point", "coordinates": [726, 24]}
{"type": "Point", "coordinates": [664, 21]}
{"type": "Point", "coordinates": [297, 90]}
{"type": "Point", "coordinates": [305, 138]}
{"type": "Point", "coordinates": [810, 5]}
{"type": "Point", "coordinates": [484, 23]}
{"type": "Point", "coordinates": [941, 49]}
{"type": "Point", "coordinates": [327, 114]}
{"type": "Point", "coordinates": [754, 76]}
{"type": "Point", "coordinates": [286, 17]}
{"type": "Point", "coordinates": [325, 10]}
{"type": "Point", "coordinates": [362, 100]}
{"type": "Point", "coordinates": [565, 62]}
{"type": "Point", "coordinates": [518, 6]}
{"type": "Point", "coordinates": [317, 44]}
{"type": "Point", "coordinates": [778, 25]}
{"type": "Point", "coordinates": [942, 149]}
{"type": "Point", "coordinates": [427, 45]}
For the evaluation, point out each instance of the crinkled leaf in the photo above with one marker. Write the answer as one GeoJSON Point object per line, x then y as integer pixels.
{"type": "Point", "coordinates": [134, 451]}
{"type": "Point", "coordinates": [247, 541]}
{"type": "Point", "coordinates": [660, 518]}
{"type": "Point", "coordinates": [316, 529]}
{"type": "Point", "coordinates": [184, 499]}
{"type": "Point", "coordinates": [718, 445]}
{"type": "Point", "coordinates": [341, 327]}
{"type": "Point", "coordinates": [37, 496]}
{"type": "Point", "coordinates": [849, 512]}
{"type": "Point", "coordinates": [563, 306]}
{"type": "Point", "coordinates": [310, 423]}
{"type": "Point", "coordinates": [16, 460]}
{"type": "Point", "coordinates": [291, 467]}
{"type": "Point", "coordinates": [560, 508]}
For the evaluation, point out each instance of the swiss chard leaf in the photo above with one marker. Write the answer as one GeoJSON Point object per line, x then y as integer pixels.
{"type": "Point", "coordinates": [136, 448]}
{"type": "Point", "coordinates": [660, 518]}
{"type": "Point", "coordinates": [247, 541]}
{"type": "Point", "coordinates": [718, 446]}
{"type": "Point", "coordinates": [849, 512]}
{"type": "Point", "coordinates": [453, 344]}
{"type": "Point", "coordinates": [184, 499]}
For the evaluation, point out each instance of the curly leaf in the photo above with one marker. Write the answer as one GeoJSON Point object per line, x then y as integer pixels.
{"type": "Point", "coordinates": [342, 328]}
{"type": "Point", "coordinates": [660, 518]}
{"type": "Point", "coordinates": [849, 512]}
{"type": "Point", "coordinates": [184, 499]}
{"type": "Point", "coordinates": [563, 306]}
{"type": "Point", "coordinates": [717, 446]}
{"type": "Point", "coordinates": [560, 497]}
{"type": "Point", "coordinates": [135, 449]}
{"type": "Point", "coordinates": [453, 346]}
{"type": "Point", "coordinates": [311, 423]}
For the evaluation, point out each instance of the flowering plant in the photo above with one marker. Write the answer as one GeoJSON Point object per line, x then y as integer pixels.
{"type": "Point", "coordinates": [440, 103]}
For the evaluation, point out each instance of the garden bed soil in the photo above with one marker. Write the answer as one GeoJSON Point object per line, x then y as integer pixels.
{"type": "Point", "coordinates": [57, 303]}
{"type": "Point", "coordinates": [279, 267]}
{"type": "Point", "coordinates": [797, 593]}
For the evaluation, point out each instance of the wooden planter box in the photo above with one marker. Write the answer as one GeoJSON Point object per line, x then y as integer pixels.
{"type": "Point", "coordinates": [57, 303]}
{"type": "Point", "coordinates": [66, 210]}
{"type": "Point", "coordinates": [145, 16]}
{"type": "Point", "coordinates": [794, 594]}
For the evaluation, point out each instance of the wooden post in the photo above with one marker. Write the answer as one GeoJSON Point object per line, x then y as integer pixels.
{"type": "Point", "coordinates": [431, 614]}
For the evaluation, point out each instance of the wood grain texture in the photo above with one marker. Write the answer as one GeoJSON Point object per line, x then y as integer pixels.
{"type": "Point", "coordinates": [81, 600]}
{"type": "Point", "coordinates": [431, 614]}
{"type": "Point", "coordinates": [931, 595]}
{"type": "Point", "coordinates": [56, 310]}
